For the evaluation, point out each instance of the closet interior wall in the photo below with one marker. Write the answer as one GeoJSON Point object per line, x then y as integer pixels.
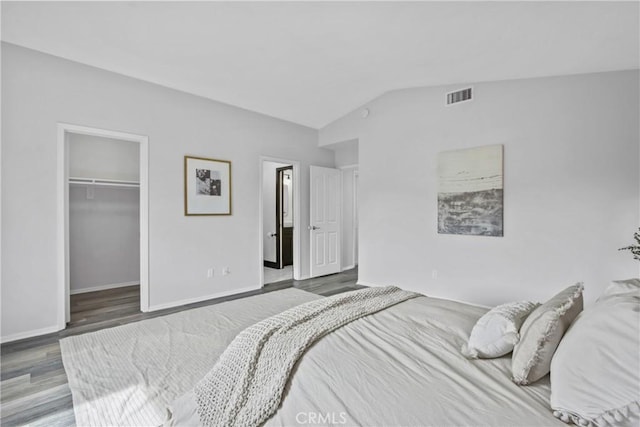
{"type": "Point", "coordinates": [104, 216]}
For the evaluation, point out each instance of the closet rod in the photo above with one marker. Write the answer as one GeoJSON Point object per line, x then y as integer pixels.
{"type": "Point", "coordinates": [103, 182]}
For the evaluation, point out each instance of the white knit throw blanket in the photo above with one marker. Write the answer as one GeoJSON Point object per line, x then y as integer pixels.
{"type": "Point", "coordinates": [246, 384]}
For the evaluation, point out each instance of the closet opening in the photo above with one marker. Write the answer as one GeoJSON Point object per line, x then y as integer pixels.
{"type": "Point", "coordinates": [103, 224]}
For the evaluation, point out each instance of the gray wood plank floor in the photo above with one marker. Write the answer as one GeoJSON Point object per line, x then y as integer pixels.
{"type": "Point", "coordinates": [33, 383]}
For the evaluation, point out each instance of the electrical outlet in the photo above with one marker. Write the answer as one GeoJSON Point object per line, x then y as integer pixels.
{"type": "Point", "coordinates": [434, 274]}
{"type": "Point", "coordinates": [226, 271]}
{"type": "Point", "coordinates": [210, 273]}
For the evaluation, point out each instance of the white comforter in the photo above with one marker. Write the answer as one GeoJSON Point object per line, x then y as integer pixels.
{"type": "Point", "coordinates": [402, 367]}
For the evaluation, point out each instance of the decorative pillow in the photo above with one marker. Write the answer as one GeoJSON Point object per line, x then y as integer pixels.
{"type": "Point", "coordinates": [541, 333]}
{"type": "Point", "coordinates": [496, 332]}
{"type": "Point", "coordinates": [595, 373]}
{"type": "Point", "coordinates": [621, 287]}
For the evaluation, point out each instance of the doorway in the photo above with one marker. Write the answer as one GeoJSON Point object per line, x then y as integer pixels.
{"type": "Point", "coordinates": [284, 218]}
{"type": "Point", "coordinates": [279, 219]}
{"type": "Point", "coordinates": [102, 214]}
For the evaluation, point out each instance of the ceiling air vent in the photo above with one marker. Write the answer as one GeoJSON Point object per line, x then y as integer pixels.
{"type": "Point", "coordinates": [459, 96]}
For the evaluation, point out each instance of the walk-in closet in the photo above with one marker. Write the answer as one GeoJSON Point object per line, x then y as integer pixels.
{"type": "Point", "coordinates": [104, 227]}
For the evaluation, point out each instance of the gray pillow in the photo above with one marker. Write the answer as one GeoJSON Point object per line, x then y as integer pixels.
{"type": "Point", "coordinates": [595, 372]}
{"type": "Point", "coordinates": [541, 333]}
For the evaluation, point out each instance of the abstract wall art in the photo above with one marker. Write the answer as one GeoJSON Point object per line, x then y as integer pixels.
{"type": "Point", "coordinates": [470, 191]}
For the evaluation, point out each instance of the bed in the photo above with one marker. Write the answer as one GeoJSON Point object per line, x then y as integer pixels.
{"type": "Point", "coordinates": [401, 366]}
{"type": "Point", "coordinates": [405, 363]}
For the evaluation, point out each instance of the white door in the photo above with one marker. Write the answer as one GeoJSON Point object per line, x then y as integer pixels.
{"type": "Point", "coordinates": [325, 222]}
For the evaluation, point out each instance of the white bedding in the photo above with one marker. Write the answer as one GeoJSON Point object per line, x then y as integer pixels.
{"type": "Point", "coordinates": [247, 383]}
{"type": "Point", "coordinates": [402, 366]}
{"type": "Point", "coordinates": [128, 375]}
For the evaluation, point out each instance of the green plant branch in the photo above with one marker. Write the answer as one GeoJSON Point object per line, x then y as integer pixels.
{"type": "Point", "coordinates": [635, 249]}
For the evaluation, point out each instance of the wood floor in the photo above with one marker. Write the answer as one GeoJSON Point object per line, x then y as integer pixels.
{"type": "Point", "coordinates": [33, 386]}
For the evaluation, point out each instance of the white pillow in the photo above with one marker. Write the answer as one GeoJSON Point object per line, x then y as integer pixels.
{"type": "Point", "coordinates": [621, 287]}
{"type": "Point", "coordinates": [541, 333]}
{"type": "Point", "coordinates": [595, 372]}
{"type": "Point", "coordinates": [496, 332]}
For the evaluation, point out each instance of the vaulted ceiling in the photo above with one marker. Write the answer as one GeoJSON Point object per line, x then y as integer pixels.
{"type": "Point", "coordinates": [313, 62]}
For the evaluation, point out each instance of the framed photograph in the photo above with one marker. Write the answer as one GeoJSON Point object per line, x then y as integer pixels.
{"type": "Point", "coordinates": [207, 186]}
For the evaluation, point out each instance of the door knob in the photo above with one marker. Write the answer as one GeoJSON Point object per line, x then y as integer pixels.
{"type": "Point", "coordinates": [272, 234]}
{"type": "Point", "coordinates": [313, 227]}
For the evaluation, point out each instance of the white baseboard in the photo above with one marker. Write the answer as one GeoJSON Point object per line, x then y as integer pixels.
{"type": "Point", "coordinates": [29, 334]}
{"type": "Point", "coordinates": [52, 329]}
{"type": "Point", "coordinates": [367, 284]}
{"type": "Point", "coordinates": [348, 267]}
{"type": "Point", "coordinates": [198, 299]}
{"type": "Point", "coordinates": [104, 287]}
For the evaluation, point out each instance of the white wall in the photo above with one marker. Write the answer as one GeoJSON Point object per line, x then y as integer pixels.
{"type": "Point", "coordinates": [269, 208]}
{"type": "Point", "coordinates": [104, 237]}
{"type": "Point", "coordinates": [99, 157]}
{"type": "Point", "coordinates": [345, 153]}
{"type": "Point", "coordinates": [38, 91]}
{"type": "Point", "coordinates": [571, 182]}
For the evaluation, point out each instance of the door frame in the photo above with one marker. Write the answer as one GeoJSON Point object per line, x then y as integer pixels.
{"type": "Point", "coordinates": [355, 169]}
{"type": "Point", "coordinates": [356, 224]}
{"type": "Point", "coordinates": [296, 215]}
{"type": "Point", "coordinates": [63, 280]}
{"type": "Point", "coordinates": [279, 226]}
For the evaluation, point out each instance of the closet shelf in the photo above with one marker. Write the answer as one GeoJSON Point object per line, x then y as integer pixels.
{"type": "Point", "coordinates": [103, 182]}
